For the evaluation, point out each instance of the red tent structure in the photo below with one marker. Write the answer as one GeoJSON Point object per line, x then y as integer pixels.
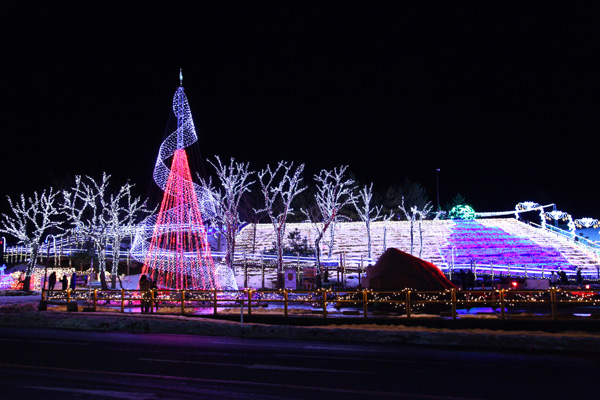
{"type": "Point", "coordinates": [397, 270]}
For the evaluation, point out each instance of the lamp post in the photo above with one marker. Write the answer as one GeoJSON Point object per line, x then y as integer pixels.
{"type": "Point", "coordinates": [437, 187]}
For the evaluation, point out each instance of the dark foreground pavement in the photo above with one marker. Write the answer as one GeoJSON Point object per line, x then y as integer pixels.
{"type": "Point", "coordinates": [42, 363]}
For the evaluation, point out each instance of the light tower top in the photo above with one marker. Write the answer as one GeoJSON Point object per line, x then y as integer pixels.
{"type": "Point", "coordinates": [180, 77]}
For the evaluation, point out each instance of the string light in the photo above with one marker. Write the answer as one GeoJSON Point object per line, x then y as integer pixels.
{"type": "Point", "coordinates": [174, 242]}
{"type": "Point", "coordinates": [462, 212]}
{"type": "Point", "coordinates": [587, 223]}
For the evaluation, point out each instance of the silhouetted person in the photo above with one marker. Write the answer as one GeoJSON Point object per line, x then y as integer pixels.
{"type": "Point", "coordinates": [470, 280]}
{"type": "Point", "coordinates": [579, 277]}
{"type": "Point", "coordinates": [51, 283]}
{"type": "Point", "coordinates": [563, 277]}
{"type": "Point", "coordinates": [144, 288]}
{"type": "Point", "coordinates": [65, 282]}
{"type": "Point", "coordinates": [553, 278]}
{"type": "Point", "coordinates": [154, 288]}
{"type": "Point", "coordinates": [73, 281]}
{"type": "Point", "coordinates": [462, 276]}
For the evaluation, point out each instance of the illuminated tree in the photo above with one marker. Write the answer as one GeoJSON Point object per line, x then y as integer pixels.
{"type": "Point", "coordinates": [462, 211]}
{"type": "Point", "coordinates": [368, 214]}
{"type": "Point", "coordinates": [416, 215]}
{"type": "Point", "coordinates": [173, 244]}
{"type": "Point", "coordinates": [333, 192]}
{"type": "Point", "coordinates": [279, 187]}
{"type": "Point", "coordinates": [91, 208]}
{"type": "Point", "coordinates": [234, 183]}
{"type": "Point", "coordinates": [123, 213]}
{"type": "Point", "coordinates": [32, 218]}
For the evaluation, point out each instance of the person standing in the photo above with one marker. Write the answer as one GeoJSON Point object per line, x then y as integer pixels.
{"type": "Point", "coordinates": [470, 280]}
{"type": "Point", "coordinates": [51, 283]}
{"type": "Point", "coordinates": [73, 284]}
{"type": "Point", "coordinates": [144, 288]}
{"type": "Point", "coordinates": [154, 289]}
{"type": "Point", "coordinates": [65, 282]}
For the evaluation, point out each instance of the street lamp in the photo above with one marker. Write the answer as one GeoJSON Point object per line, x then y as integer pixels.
{"type": "Point", "coordinates": [437, 186]}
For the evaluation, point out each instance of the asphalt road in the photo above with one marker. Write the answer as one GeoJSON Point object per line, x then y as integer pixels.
{"type": "Point", "coordinates": [64, 364]}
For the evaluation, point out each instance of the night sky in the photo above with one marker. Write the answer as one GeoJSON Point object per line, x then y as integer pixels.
{"type": "Point", "coordinates": [502, 99]}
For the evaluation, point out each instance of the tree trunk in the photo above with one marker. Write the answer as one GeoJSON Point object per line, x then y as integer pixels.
{"type": "Point", "coordinates": [280, 275]}
{"type": "Point", "coordinates": [230, 239]}
{"type": "Point", "coordinates": [102, 268]}
{"type": "Point", "coordinates": [26, 284]}
{"type": "Point", "coordinates": [368, 239]}
{"type": "Point", "coordinates": [318, 261]}
{"type": "Point", "coordinates": [103, 284]}
{"type": "Point", "coordinates": [30, 268]}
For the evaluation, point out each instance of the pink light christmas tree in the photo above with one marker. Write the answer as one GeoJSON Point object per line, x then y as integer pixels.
{"type": "Point", "coordinates": [174, 242]}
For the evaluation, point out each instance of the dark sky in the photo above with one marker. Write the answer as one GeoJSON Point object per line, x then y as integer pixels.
{"type": "Point", "coordinates": [503, 99]}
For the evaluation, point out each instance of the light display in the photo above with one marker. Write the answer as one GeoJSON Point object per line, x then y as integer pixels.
{"type": "Point", "coordinates": [334, 191]}
{"type": "Point", "coordinates": [557, 215]}
{"type": "Point", "coordinates": [174, 242]}
{"type": "Point", "coordinates": [561, 215]}
{"type": "Point", "coordinates": [463, 212]}
{"type": "Point", "coordinates": [279, 187]}
{"type": "Point", "coordinates": [477, 244]}
{"type": "Point", "coordinates": [368, 214]}
{"type": "Point", "coordinates": [234, 183]}
{"type": "Point", "coordinates": [525, 206]}
{"type": "Point", "coordinates": [32, 218]}
{"type": "Point", "coordinates": [587, 223]}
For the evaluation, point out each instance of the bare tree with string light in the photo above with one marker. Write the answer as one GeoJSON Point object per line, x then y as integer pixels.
{"type": "Point", "coordinates": [32, 218]}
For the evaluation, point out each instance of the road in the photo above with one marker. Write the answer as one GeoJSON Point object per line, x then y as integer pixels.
{"type": "Point", "coordinates": [68, 364]}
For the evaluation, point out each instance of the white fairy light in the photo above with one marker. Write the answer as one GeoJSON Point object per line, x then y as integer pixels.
{"type": "Point", "coordinates": [334, 191]}
{"type": "Point", "coordinates": [362, 204]}
{"type": "Point", "coordinates": [279, 188]}
{"type": "Point", "coordinates": [33, 217]}
{"type": "Point", "coordinates": [556, 215]}
{"type": "Point", "coordinates": [234, 183]}
{"type": "Point", "coordinates": [525, 206]}
{"type": "Point", "coordinates": [587, 223]}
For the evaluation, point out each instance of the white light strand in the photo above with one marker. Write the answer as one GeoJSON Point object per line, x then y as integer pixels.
{"type": "Point", "coordinates": [587, 223]}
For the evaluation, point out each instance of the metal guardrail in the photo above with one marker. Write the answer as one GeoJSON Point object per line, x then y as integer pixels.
{"type": "Point", "coordinates": [326, 302]}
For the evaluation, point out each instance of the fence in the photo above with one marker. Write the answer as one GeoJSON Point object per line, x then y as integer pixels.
{"type": "Point", "coordinates": [502, 303]}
